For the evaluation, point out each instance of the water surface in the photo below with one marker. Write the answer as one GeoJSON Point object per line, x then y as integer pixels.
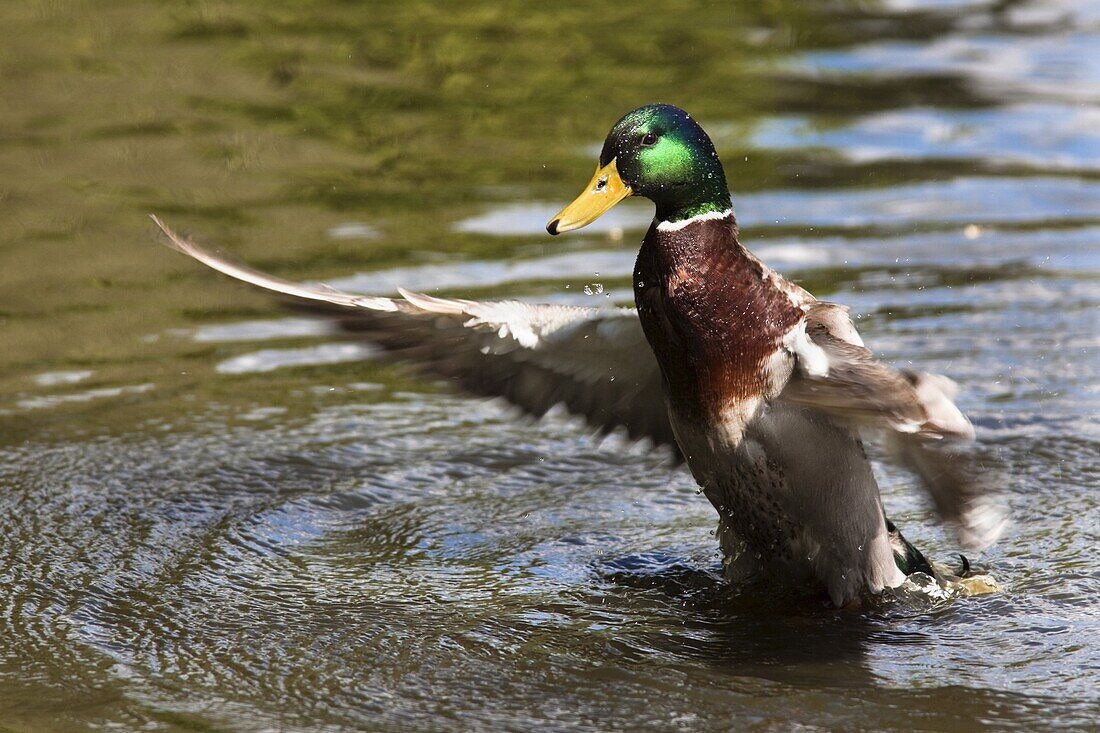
{"type": "Point", "coordinates": [219, 516]}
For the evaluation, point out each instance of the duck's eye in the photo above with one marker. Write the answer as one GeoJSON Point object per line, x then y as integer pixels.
{"type": "Point", "coordinates": [649, 139]}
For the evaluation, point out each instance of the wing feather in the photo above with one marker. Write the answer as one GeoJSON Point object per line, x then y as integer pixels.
{"type": "Point", "coordinates": [594, 361]}
{"type": "Point", "coordinates": [925, 431]}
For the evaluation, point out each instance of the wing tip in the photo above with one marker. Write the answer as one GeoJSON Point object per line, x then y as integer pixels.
{"type": "Point", "coordinates": [172, 239]}
{"type": "Point", "coordinates": [315, 292]}
{"type": "Point", "coordinates": [983, 523]}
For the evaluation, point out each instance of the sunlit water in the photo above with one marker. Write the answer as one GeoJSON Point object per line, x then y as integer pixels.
{"type": "Point", "coordinates": [217, 515]}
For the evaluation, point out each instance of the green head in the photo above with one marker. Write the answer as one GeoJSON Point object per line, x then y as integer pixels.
{"type": "Point", "coordinates": [658, 152]}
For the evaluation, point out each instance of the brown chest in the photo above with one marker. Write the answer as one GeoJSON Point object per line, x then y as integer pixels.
{"type": "Point", "coordinates": [711, 314]}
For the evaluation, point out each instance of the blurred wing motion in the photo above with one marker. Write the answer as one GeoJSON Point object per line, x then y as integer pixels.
{"type": "Point", "coordinates": [924, 429]}
{"type": "Point", "coordinates": [597, 363]}
{"type": "Point", "coordinates": [594, 361]}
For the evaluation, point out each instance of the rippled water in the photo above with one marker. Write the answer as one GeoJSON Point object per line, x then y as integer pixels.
{"type": "Point", "coordinates": [219, 516]}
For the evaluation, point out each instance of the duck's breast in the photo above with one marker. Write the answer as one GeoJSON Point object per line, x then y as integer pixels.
{"type": "Point", "coordinates": [712, 315]}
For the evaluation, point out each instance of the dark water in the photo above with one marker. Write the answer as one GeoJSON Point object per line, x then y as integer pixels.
{"type": "Point", "coordinates": [217, 517]}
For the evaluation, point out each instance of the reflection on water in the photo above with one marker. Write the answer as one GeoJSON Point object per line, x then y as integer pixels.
{"type": "Point", "coordinates": [217, 517]}
{"type": "Point", "coordinates": [1039, 135]}
{"type": "Point", "coordinates": [1008, 202]}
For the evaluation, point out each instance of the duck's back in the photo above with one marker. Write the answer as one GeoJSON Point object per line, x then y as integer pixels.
{"type": "Point", "coordinates": [793, 487]}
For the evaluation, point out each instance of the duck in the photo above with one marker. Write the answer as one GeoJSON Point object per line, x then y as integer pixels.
{"type": "Point", "coordinates": [762, 391]}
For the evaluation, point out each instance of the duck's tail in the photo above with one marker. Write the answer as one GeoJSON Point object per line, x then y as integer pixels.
{"type": "Point", "coordinates": [908, 558]}
{"type": "Point", "coordinates": [962, 580]}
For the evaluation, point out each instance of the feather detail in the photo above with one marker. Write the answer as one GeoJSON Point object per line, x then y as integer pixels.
{"type": "Point", "coordinates": [594, 361]}
{"type": "Point", "coordinates": [926, 431]}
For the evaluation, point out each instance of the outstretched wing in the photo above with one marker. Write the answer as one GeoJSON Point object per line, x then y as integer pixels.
{"type": "Point", "coordinates": [594, 361]}
{"type": "Point", "coordinates": [924, 429]}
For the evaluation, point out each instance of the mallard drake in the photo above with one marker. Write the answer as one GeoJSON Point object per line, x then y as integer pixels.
{"type": "Point", "coordinates": [760, 387]}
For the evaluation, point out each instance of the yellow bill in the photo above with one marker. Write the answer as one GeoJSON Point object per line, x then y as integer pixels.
{"type": "Point", "coordinates": [604, 191]}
